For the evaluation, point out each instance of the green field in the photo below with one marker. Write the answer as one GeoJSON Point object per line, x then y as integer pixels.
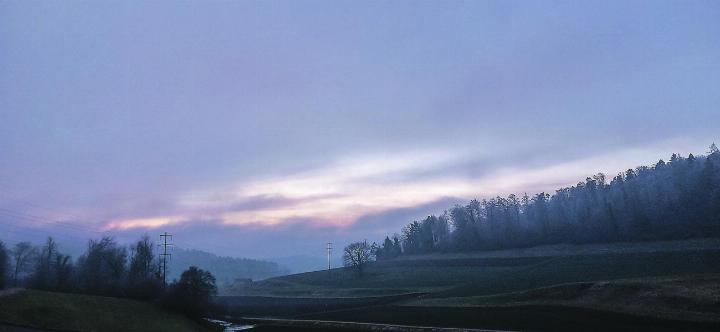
{"type": "Point", "coordinates": [492, 272]}
{"type": "Point", "coordinates": [665, 281]}
{"type": "Point", "coordinates": [695, 298]}
{"type": "Point", "coordinates": [73, 312]}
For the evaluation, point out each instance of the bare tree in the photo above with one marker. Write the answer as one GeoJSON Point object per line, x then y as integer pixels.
{"type": "Point", "coordinates": [357, 255]}
{"type": "Point", "coordinates": [22, 255]}
{"type": "Point", "coordinates": [43, 275]}
{"type": "Point", "coordinates": [102, 267]}
{"type": "Point", "coordinates": [144, 279]}
{"type": "Point", "coordinates": [142, 261]}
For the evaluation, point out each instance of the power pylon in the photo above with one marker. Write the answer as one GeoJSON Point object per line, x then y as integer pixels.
{"type": "Point", "coordinates": [329, 251]}
{"type": "Point", "coordinates": [165, 256]}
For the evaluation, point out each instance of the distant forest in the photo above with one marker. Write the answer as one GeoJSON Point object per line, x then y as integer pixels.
{"type": "Point", "coordinates": [225, 269]}
{"type": "Point", "coordinates": [677, 199]}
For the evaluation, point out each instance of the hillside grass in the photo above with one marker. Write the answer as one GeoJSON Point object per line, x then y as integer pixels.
{"type": "Point", "coordinates": [654, 286]}
{"type": "Point", "coordinates": [515, 318]}
{"type": "Point", "coordinates": [74, 312]}
{"type": "Point", "coordinates": [501, 271]}
{"type": "Point", "coordinates": [690, 298]}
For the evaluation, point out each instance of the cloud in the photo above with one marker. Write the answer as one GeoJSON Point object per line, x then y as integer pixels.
{"type": "Point", "coordinates": [146, 223]}
{"type": "Point", "coordinates": [337, 194]}
{"type": "Point", "coordinates": [352, 198]}
{"type": "Point", "coordinates": [356, 191]}
{"type": "Point", "coordinates": [391, 221]}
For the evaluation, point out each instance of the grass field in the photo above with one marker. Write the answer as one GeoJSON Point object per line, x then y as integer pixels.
{"type": "Point", "coordinates": [514, 318]}
{"type": "Point", "coordinates": [73, 312]}
{"type": "Point", "coordinates": [501, 271]}
{"type": "Point", "coordinates": [640, 286]}
{"type": "Point", "coordinates": [695, 298]}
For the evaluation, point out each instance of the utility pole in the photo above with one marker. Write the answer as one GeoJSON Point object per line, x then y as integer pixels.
{"type": "Point", "coordinates": [164, 256]}
{"type": "Point", "coordinates": [329, 250]}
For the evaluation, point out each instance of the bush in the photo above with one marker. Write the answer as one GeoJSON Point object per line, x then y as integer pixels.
{"type": "Point", "coordinates": [192, 294]}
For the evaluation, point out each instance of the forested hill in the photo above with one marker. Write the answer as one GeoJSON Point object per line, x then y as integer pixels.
{"type": "Point", "coordinates": [677, 199]}
{"type": "Point", "coordinates": [225, 269]}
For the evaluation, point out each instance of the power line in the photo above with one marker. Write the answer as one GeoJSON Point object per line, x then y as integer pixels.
{"type": "Point", "coordinates": [44, 221]}
{"type": "Point", "coordinates": [32, 226]}
{"type": "Point", "coordinates": [34, 205]}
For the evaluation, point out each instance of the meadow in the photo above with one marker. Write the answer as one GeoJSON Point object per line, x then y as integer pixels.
{"type": "Point", "coordinates": [665, 285]}
{"type": "Point", "coordinates": [75, 312]}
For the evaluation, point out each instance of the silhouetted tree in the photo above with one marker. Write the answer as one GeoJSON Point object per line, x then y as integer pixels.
{"type": "Point", "coordinates": [144, 280]}
{"type": "Point", "coordinates": [192, 294]}
{"type": "Point", "coordinates": [396, 246]}
{"type": "Point", "coordinates": [45, 274]}
{"type": "Point", "coordinates": [385, 251]}
{"type": "Point", "coordinates": [102, 268]}
{"type": "Point", "coordinates": [357, 254]}
{"type": "Point", "coordinates": [23, 254]}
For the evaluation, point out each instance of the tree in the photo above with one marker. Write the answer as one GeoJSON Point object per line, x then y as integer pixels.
{"type": "Point", "coordinates": [3, 264]}
{"type": "Point", "coordinates": [144, 279]}
{"type": "Point", "coordinates": [53, 270]}
{"type": "Point", "coordinates": [396, 246]}
{"type": "Point", "coordinates": [465, 236]}
{"type": "Point", "coordinates": [385, 251]}
{"type": "Point", "coordinates": [63, 273]}
{"type": "Point", "coordinates": [357, 254]}
{"type": "Point", "coordinates": [43, 275]}
{"type": "Point", "coordinates": [668, 200]}
{"type": "Point", "coordinates": [22, 255]}
{"type": "Point", "coordinates": [713, 149]}
{"type": "Point", "coordinates": [192, 294]}
{"type": "Point", "coordinates": [102, 267]}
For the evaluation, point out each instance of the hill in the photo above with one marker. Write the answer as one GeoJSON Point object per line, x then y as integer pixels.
{"type": "Point", "coordinates": [74, 312]}
{"type": "Point", "coordinates": [304, 263]}
{"type": "Point", "coordinates": [653, 286]}
{"type": "Point", "coordinates": [497, 271]}
{"type": "Point", "coordinates": [225, 269]}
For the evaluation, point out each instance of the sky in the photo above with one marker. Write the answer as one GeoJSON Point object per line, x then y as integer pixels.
{"type": "Point", "coordinates": [267, 128]}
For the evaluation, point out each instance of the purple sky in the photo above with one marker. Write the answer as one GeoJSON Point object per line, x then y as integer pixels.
{"type": "Point", "coordinates": [266, 128]}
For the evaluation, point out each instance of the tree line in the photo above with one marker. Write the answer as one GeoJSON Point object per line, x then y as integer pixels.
{"type": "Point", "coordinates": [677, 199]}
{"type": "Point", "coordinates": [108, 269]}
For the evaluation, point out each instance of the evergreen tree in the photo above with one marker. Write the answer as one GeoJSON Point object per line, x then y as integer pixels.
{"type": "Point", "coordinates": [673, 200]}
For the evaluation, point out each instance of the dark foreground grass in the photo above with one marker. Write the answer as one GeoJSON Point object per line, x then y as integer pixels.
{"type": "Point", "coordinates": [73, 312]}
{"type": "Point", "coordinates": [456, 287]}
{"type": "Point", "coordinates": [690, 298]}
{"type": "Point", "coordinates": [292, 306]}
{"type": "Point", "coordinates": [596, 267]}
{"type": "Point", "coordinates": [485, 276]}
{"type": "Point", "coordinates": [520, 318]}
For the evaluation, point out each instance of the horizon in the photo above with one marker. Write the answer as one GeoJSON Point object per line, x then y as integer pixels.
{"type": "Point", "coordinates": [255, 130]}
